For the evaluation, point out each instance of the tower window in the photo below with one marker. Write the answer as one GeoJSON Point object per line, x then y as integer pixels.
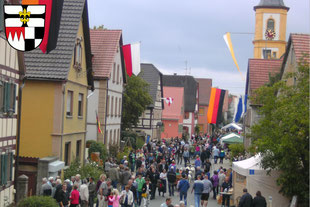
{"type": "Point", "coordinates": [270, 24]}
{"type": "Point", "coordinates": [267, 54]}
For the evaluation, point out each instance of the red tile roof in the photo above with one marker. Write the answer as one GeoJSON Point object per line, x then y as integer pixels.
{"type": "Point", "coordinates": [301, 46]}
{"type": "Point", "coordinates": [259, 70]}
{"type": "Point", "coordinates": [104, 45]}
{"type": "Point", "coordinates": [205, 86]}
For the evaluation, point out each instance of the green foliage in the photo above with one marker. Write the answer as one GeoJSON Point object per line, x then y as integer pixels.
{"type": "Point", "coordinates": [98, 147]}
{"type": "Point", "coordinates": [197, 129]}
{"type": "Point", "coordinates": [38, 201]}
{"type": "Point", "coordinates": [124, 152]}
{"type": "Point", "coordinates": [139, 142]}
{"type": "Point", "coordinates": [236, 149]}
{"type": "Point", "coordinates": [91, 169]}
{"type": "Point", "coordinates": [89, 142]}
{"type": "Point", "coordinates": [282, 134]}
{"type": "Point", "coordinates": [136, 100]}
{"type": "Point", "coordinates": [113, 150]}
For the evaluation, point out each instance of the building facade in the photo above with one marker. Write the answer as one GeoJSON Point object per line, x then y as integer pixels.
{"type": "Point", "coordinates": [150, 123]}
{"type": "Point", "coordinates": [173, 113]}
{"type": "Point", "coordinates": [109, 79]}
{"type": "Point", "coordinates": [54, 102]}
{"type": "Point", "coordinates": [191, 96]}
{"type": "Point", "coordinates": [205, 86]}
{"type": "Point", "coordinates": [270, 29]}
{"type": "Point", "coordinates": [11, 69]}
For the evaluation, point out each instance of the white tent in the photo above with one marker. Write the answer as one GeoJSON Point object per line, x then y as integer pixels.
{"type": "Point", "coordinates": [258, 180]}
{"type": "Point", "coordinates": [232, 125]}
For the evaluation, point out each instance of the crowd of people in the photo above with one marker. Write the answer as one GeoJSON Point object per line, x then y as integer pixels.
{"type": "Point", "coordinates": [164, 167]}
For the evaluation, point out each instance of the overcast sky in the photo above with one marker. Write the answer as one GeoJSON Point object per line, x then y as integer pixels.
{"type": "Point", "coordinates": [172, 32]}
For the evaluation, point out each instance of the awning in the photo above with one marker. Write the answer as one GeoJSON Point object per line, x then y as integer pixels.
{"type": "Point", "coordinates": [233, 140]}
{"type": "Point", "coordinates": [232, 126]}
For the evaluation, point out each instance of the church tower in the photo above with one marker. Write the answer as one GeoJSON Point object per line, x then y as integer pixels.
{"type": "Point", "coordinates": [270, 29]}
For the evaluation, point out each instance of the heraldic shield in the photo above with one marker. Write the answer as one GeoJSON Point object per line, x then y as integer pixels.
{"type": "Point", "coordinates": [24, 26]}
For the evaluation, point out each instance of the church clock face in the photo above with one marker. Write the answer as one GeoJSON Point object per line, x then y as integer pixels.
{"type": "Point", "coordinates": [270, 34]}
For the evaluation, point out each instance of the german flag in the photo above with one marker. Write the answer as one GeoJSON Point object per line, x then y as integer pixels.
{"type": "Point", "coordinates": [98, 124]}
{"type": "Point", "coordinates": [53, 12]}
{"type": "Point", "coordinates": [216, 106]}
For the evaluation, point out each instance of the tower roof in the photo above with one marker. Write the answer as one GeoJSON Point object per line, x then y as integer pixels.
{"type": "Point", "coordinates": [271, 4]}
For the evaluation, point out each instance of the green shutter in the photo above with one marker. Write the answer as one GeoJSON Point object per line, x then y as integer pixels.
{"type": "Point", "coordinates": [7, 96]}
{"type": "Point", "coordinates": [11, 165]}
{"type": "Point", "coordinates": [1, 16]}
{"type": "Point", "coordinates": [5, 177]}
{"type": "Point", "coordinates": [2, 169]}
{"type": "Point", "coordinates": [13, 98]}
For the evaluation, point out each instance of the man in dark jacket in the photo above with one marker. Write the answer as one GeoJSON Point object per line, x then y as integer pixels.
{"type": "Point", "coordinates": [246, 200]}
{"type": "Point", "coordinates": [259, 200]}
{"type": "Point", "coordinates": [172, 177]}
{"type": "Point", "coordinates": [154, 176]}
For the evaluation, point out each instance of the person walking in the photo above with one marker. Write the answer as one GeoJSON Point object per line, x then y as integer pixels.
{"type": "Point", "coordinates": [215, 182]}
{"type": "Point", "coordinates": [207, 188]}
{"type": "Point", "coordinates": [216, 154]}
{"type": "Point", "coordinates": [186, 156]}
{"type": "Point", "coordinates": [171, 181]}
{"type": "Point", "coordinates": [259, 200]}
{"type": "Point", "coordinates": [84, 193]}
{"type": "Point", "coordinates": [154, 176]}
{"type": "Point", "coordinates": [183, 187]}
{"type": "Point", "coordinates": [46, 189]}
{"type": "Point", "coordinates": [198, 188]}
{"type": "Point", "coordinates": [75, 196]}
{"type": "Point", "coordinates": [167, 203]}
{"type": "Point", "coordinates": [115, 198]}
{"type": "Point", "coordinates": [225, 188]}
{"type": "Point", "coordinates": [140, 183]}
{"type": "Point", "coordinates": [222, 156]}
{"type": "Point", "coordinates": [246, 199]}
{"type": "Point", "coordinates": [127, 197]}
{"type": "Point", "coordinates": [102, 192]}
{"type": "Point", "coordinates": [146, 189]}
{"type": "Point", "coordinates": [91, 191]}
{"type": "Point", "coordinates": [64, 198]}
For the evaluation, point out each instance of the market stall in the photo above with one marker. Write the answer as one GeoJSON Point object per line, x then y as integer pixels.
{"type": "Point", "coordinates": [249, 174]}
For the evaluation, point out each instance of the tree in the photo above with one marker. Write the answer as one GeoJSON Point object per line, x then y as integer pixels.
{"type": "Point", "coordinates": [136, 100]}
{"type": "Point", "coordinates": [282, 134]}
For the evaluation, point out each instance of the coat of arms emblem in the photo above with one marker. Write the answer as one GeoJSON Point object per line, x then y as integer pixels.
{"type": "Point", "coordinates": [24, 26]}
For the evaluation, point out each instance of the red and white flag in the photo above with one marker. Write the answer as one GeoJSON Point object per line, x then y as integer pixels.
{"type": "Point", "coordinates": [132, 58]}
{"type": "Point", "coordinates": [169, 100]}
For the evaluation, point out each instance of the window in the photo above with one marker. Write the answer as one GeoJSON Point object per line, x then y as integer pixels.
{"type": "Point", "coordinates": [117, 77]}
{"type": "Point", "coordinates": [1, 16]}
{"type": "Point", "coordinates": [6, 170]}
{"type": "Point", "coordinates": [114, 71]}
{"type": "Point", "coordinates": [78, 54]}
{"type": "Point", "coordinates": [270, 24]}
{"type": "Point", "coordinates": [67, 153]}
{"type": "Point", "coordinates": [110, 140]}
{"type": "Point", "coordinates": [186, 115]}
{"type": "Point", "coordinates": [201, 111]}
{"type": "Point", "coordinates": [120, 107]}
{"type": "Point", "coordinates": [108, 106]}
{"type": "Point", "coordinates": [7, 97]}
{"type": "Point", "coordinates": [274, 54]}
{"type": "Point", "coordinates": [80, 105]}
{"type": "Point", "coordinates": [78, 149]}
{"type": "Point", "coordinates": [69, 103]}
{"type": "Point", "coordinates": [114, 137]}
{"type": "Point", "coordinates": [112, 102]}
{"type": "Point", "coordinates": [118, 137]}
{"type": "Point", "coordinates": [116, 106]}
{"type": "Point", "coordinates": [267, 54]}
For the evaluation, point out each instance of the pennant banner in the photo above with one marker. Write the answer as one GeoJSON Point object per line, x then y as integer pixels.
{"type": "Point", "coordinates": [240, 108]}
{"type": "Point", "coordinates": [98, 123]}
{"type": "Point", "coordinates": [215, 109]}
{"type": "Point", "coordinates": [231, 50]}
{"type": "Point", "coordinates": [131, 54]}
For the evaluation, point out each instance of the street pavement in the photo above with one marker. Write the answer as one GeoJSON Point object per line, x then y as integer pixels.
{"type": "Point", "coordinates": [190, 197]}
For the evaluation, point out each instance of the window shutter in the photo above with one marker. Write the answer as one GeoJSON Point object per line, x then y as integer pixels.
{"type": "Point", "coordinates": [11, 165]}
{"type": "Point", "coordinates": [1, 95]}
{"type": "Point", "coordinates": [2, 169]}
{"type": "Point", "coordinates": [6, 97]}
{"type": "Point", "coordinates": [1, 16]}
{"type": "Point", "coordinates": [13, 98]}
{"type": "Point", "coordinates": [5, 172]}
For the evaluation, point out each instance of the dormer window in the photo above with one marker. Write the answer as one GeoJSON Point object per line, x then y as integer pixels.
{"type": "Point", "coordinates": [78, 54]}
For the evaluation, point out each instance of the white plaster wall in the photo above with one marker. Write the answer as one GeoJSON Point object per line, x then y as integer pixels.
{"type": "Point", "coordinates": [92, 107]}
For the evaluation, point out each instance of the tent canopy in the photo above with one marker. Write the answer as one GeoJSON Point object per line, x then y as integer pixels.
{"type": "Point", "coordinates": [243, 167]}
{"type": "Point", "coordinates": [232, 126]}
{"type": "Point", "coordinates": [231, 138]}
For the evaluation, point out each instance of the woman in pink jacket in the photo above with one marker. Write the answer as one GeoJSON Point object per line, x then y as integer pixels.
{"type": "Point", "coordinates": [74, 198]}
{"type": "Point", "coordinates": [115, 198]}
